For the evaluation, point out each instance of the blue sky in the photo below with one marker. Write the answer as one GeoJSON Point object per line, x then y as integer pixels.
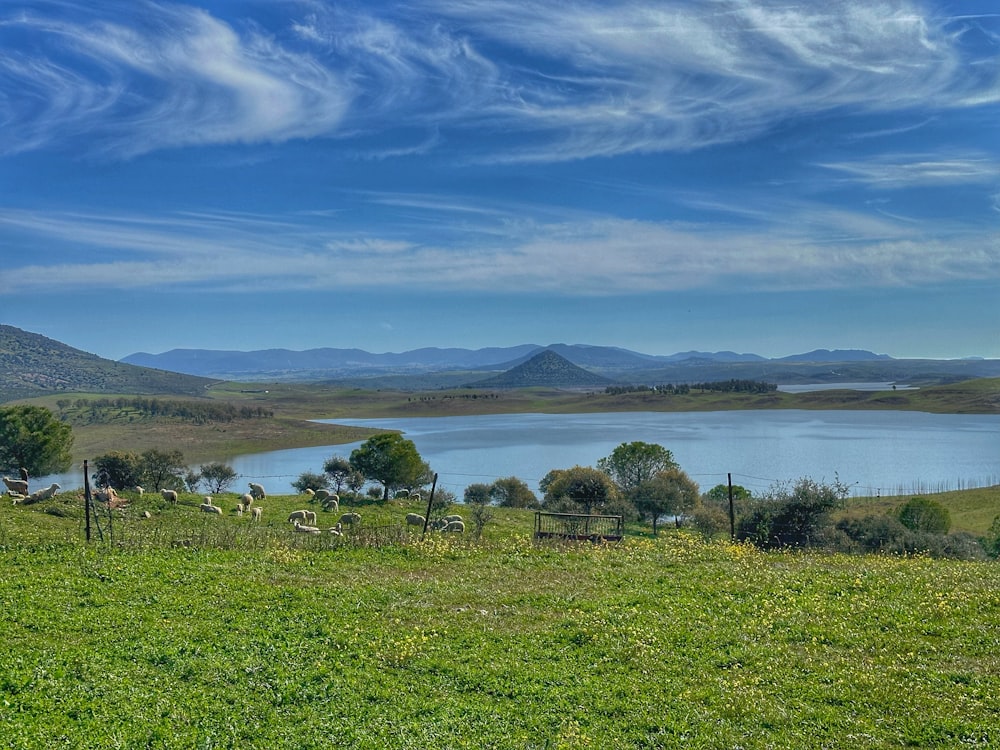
{"type": "Point", "coordinates": [753, 175]}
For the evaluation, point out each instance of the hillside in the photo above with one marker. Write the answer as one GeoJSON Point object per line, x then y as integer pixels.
{"type": "Point", "coordinates": [32, 365]}
{"type": "Point", "coordinates": [545, 369]}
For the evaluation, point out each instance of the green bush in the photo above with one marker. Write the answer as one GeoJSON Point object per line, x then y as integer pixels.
{"type": "Point", "coordinates": [922, 514]}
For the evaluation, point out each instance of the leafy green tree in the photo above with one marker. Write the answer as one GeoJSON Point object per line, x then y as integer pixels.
{"type": "Point", "coordinates": [32, 438]}
{"type": "Point", "coordinates": [217, 476]}
{"type": "Point", "coordinates": [162, 469]}
{"type": "Point", "coordinates": [720, 493]}
{"type": "Point", "coordinates": [341, 474]}
{"type": "Point", "coordinates": [478, 492]}
{"type": "Point", "coordinates": [511, 492]}
{"type": "Point", "coordinates": [580, 489]}
{"type": "Point", "coordinates": [631, 464]}
{"type": "Point", "coordinates": [118, 469]}
{"type": "Point", "coordinates": [668, 492]}
{"type": "Point", "coordinates": [392, 461]}
{"type": "Point", "coordinates": [309, 480]}
{"type": "Point", "coordinates": [926, 515]}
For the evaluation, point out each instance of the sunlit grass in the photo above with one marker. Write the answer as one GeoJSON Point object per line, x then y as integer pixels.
{"type": "Point", "coordinates": [259, 637]}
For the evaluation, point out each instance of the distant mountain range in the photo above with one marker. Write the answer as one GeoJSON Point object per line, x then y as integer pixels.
{"type": "Point", "coordinates": [432, 368]}
{"type": "Point", "coordinates": [33, 365]}
{"type": "Point", "coordinates": [327, 363]}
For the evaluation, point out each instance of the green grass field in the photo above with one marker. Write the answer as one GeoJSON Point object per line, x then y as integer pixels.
{"type": "Point", "coordinates": [256, 637]}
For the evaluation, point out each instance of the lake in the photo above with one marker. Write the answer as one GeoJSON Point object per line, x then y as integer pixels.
{"type": "Point", "coordinates": [874, 452]}
{"type": "Point", "coordinates": [885, 452]}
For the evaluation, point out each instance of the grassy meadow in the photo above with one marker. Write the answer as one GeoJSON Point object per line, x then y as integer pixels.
{"type": "Point", "coordinates": [187, 630]}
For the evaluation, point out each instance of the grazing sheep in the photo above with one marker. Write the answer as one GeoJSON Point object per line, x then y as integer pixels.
{"type": "Point", "coordinates": [415, 519]}
{"type": "Point", "coordinates": [169, 495]}
{"type": "Point", "coordinates": [239, 509]}
{"type": "Point", "coordinates": [337, 530]}
{"type": "Point", "coordinates": [415, 496]}
{"type": "Point", "coordinates": [140, 490]}
{"type": "Point", "coordinates": [349, 519]}
{"type": "Point", "coordinates": [17, 486]}
{"type": "Point", "coordinates": [306, 529]}
{"type": "Point", "coordinates": [331, 504]}
{"type": "Point", "coordinates": [320, 495]}
{"type": "Point", "coordinates": [309, 491]}
{"type": "Point", "coordinates": [247, 501]}
{"type": "Point", "coordinates": [207, 507]}
{"type": "Point", "coordinates": [302, 515]}
{"type": "Point", "coordinates": [257, 491]}
{"type": "Point", "coordinates": [453, 517]}
{"type": "Point", "coordinates": [455, 526]}
{"type": "Point", "coordinates": [256, 512]}
{"type": "Point", "coordinates": [47, 493]}
{"type": "Point", "coordinates": [106, 495]}
{"type": "Point", "coordinates": [147, 514]}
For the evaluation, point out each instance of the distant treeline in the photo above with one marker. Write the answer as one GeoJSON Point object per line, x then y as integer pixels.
{"type": "Point", "coordinates": [722, 386]}
{"type": "Point", "coordinates": [199, 412]}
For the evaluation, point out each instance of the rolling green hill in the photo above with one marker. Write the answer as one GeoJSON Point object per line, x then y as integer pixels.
{"type": "Point", "coordinates": [32, 365]}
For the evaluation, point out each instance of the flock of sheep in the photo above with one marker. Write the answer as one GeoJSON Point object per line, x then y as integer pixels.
{"type": "Point", "coordinates": [17, 490]}
{"type": "Point", "coordinates": [304, 520]}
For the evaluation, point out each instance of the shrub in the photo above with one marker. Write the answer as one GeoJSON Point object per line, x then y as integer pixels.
{"type": "Point", "coordinates": [922, 514]}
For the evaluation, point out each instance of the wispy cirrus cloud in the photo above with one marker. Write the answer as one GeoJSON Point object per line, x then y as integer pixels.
{"type": "Point", "coordinates": [166, 77]}
{"type": "Point", "coordinates": [536, 81]}
{"type": "Point", "coordinates": [920, 170]}
{"type": "Point", "coordinates": [811, 247]}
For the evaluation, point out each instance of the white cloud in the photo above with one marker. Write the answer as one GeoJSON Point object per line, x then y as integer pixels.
{"type": "Point", "coordinates": [909, 170]}
{"type": "Point", "coordinates": [546, 81]}
{"type": "Point", "coordinates": [809, 248]}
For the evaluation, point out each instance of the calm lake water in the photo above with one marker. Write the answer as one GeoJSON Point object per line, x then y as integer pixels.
{"type": "Point", "coordinates": [874, 452]}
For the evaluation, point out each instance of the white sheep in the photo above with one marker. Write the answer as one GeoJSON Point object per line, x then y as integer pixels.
{"type": "Point", "coordinates": [256, 512]}
{"type": "Point", "coordinates": [169, 495]}
{"type": "Point", "coordinates": [337, 530]}
{"type": "Point", "coordinates": [331, 504]}
{"type": "Point", "coordinates": [207, 507]}
{"type": "Point", "coordinates": [415, 519]}
{"type": "Point", "coordinates": [455, 526]}
{"type": "Point", "coordinates": [106, 495]}
{"type": "Point", "coordinates": [257, 490]}
{"type": "Point", "coordinates": [302, 515]}
{"type": "Point", "coordinates": [246, 500]}
{"type": "Point", "coordinates": [320, 495]}
{"type": "Point", "coordinates": [147, 514]}
{"type": "Point", "coordinates": [453, 517]}
{"type": "Point", "coordinates": [349, 519]}
{"type": "Point", "coordinates": [239, 509]}
{"type": "Point", "coordinates": [302, 529]}
{"type": "Point", "coordinates": [17, 486]}
{"type": "Point", "coordinates": [309, 491]}
{"type": "Point", "coordinates": [140, 490]}
{"type": "Point", "coordinates": [47, 493]}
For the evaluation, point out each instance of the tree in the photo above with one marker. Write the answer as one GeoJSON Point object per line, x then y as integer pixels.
{"type": "Point", "coordinates": [391, 460]}
{"type": "Point", "coordinates": [669, 492]}
{"type": "Point", "coordinates": [720, 493]}
{"type": "Point", "coordinates": [162, 469]}
{"type": "Point", "coordinates": [309, 480]}
{"type": "Point", "coordinates": [117, 469]}
{"type": "Point", "coordinates": [922, 514]}
{"type": "Point", "coordinates": [511, 492]}
{"type": "Point", "coordinates": [32, 438]}
{"type": "Point", "coordinates": [341, 474]}
{"type": "Point", "coordinates": [580, 489]}
{"type": "Point", "coordinates": [631, 464]}
{"type": "Point", "coordinates": [478, 492]}
{"type": "Point", "coordinates": [217, 476]}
